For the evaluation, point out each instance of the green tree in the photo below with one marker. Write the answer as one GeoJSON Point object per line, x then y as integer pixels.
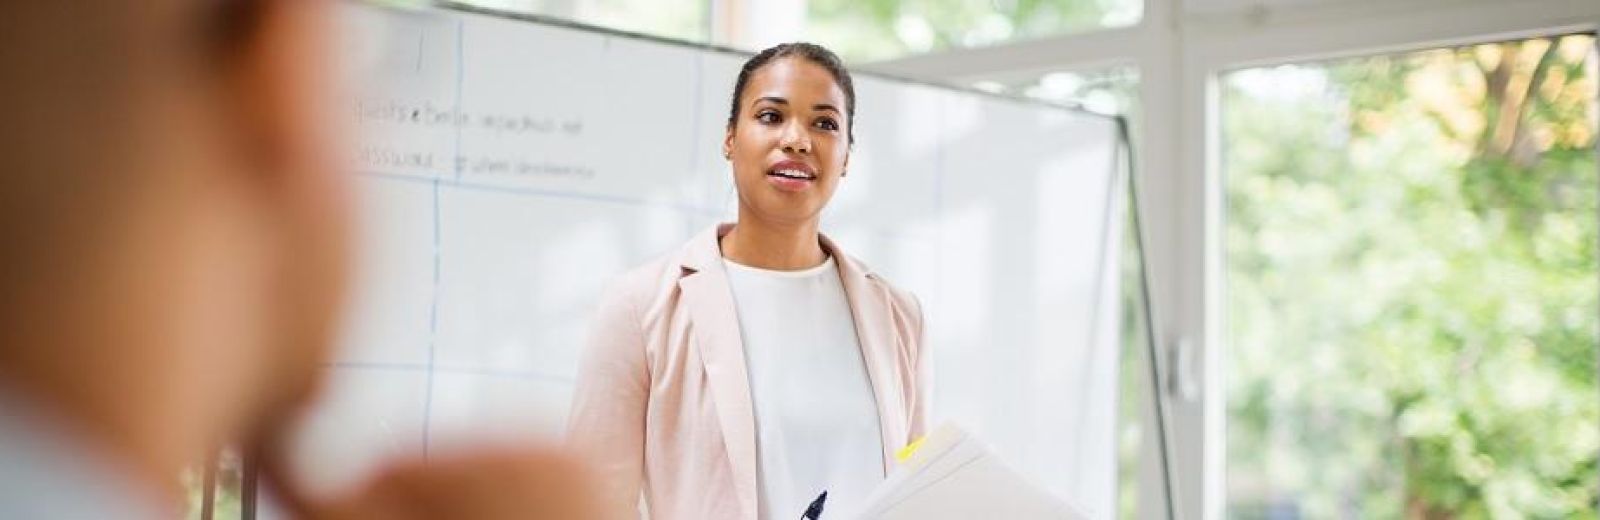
{"type": "Point", "coordinates": [866, 30]}
{"type": "Point", "coordinates": [1412, 285]}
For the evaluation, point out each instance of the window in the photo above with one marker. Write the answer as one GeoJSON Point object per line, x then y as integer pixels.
{"type": "Point", "coordinates": [1111, 90]}
{"type": "Point", "coordinates": [860, 31]}
{"type": "Point", "coordinates": [867, 30]}
{"type": "Point", "coordinates": [678, 19]}
{"type": "Point", "coordinates": [1411, 284]}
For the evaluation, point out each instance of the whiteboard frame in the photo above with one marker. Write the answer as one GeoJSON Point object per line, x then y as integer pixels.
{"type": "Point", "coordinates": [1124, 197]}
{"type": "Point", "coordinates": [855, 71]}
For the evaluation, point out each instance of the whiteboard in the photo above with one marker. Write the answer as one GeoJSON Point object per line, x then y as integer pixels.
{"type": "Point", "coordinates": [509, 168]}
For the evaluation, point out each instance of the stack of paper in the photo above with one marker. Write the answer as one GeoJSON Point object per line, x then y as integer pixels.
{"type": "Point", "coordinates": [954, 476]}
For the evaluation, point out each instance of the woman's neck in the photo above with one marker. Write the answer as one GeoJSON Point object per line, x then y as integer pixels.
{"type": "Point", "coordinates": [763, 245]}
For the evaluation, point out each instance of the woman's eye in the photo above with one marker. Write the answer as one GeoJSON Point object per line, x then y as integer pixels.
{"type": "Point", "coordinates": [768, 117]}
{"type": "Point", "coordinates": [827, 124]}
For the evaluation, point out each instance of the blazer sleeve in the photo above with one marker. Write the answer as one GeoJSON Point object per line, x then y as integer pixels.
{"type": "Point", "coordinates": [606, 424]}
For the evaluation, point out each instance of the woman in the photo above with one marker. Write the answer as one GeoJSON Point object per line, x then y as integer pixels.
{"type": "Point", "coordinates": [758, 366]}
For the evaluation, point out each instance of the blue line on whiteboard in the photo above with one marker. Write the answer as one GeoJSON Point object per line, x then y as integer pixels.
{"type": "Point", "coordinates": [611, 199]}
{"type": "Point", "coordinates": [378, 365]}
{"type": "Point", "coordinates": [403, 177]}
{"type": "Point", "coordinates": [507, 374]}
{"type": "Point", "coordinates": [433, 324]}
{"type": "Point", "coordinates": [512, 190]}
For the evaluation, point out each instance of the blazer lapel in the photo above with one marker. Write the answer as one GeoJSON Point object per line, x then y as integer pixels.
{"type": "Point", "coordinates": [875, 332]}
{"type": "Point", "coordinates": [716, 332]}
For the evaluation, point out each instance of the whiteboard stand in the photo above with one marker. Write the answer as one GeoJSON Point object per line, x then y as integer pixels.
{"type": "Point", "coordinates": [1152, 353]}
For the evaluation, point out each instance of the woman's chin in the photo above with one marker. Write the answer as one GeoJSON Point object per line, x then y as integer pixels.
{"type": "Point", "coordinates": [787, 211]}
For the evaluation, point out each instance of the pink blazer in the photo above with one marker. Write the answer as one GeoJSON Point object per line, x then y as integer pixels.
{"type": "Point", "coordinates": [662, 408]}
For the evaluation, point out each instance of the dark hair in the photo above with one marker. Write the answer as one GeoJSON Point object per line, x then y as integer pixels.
{"type": "Point", "coordinates": [811, 52]}
{"type": "Point", "coordinates": [230, 26]}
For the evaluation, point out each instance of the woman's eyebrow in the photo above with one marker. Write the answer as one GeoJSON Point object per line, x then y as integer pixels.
{"type": "Point", "coordinates": [781, 101]}
{"type": "Point", "coordinates": [771, 99]}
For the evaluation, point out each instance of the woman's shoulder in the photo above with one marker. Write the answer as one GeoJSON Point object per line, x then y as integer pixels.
{"type": "Point", "coordinates": [904, 299]}
{"type": "Point", "coordinates": [904, 309]}
{"type": "Point", "coordinates": [901, 300]}
{"type": "Point", "coordinates": [663, 272]}
{"type": "Point", "coordinates": [643, 282]}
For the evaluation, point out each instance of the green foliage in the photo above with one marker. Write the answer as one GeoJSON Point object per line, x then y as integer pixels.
{"type": "Point", "coordinates": [226, 502]}
{"type": "Point", "coordinates": [866, 30]}
{"type": "Point", "coordinates": [1412, 286]}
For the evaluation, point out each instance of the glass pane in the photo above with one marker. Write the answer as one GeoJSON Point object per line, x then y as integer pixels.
{"type": "Point", "coordinates": [868, 30]}
{"type": "Point", "coordinates": [1411, 285]}
{"type": "Point", "coordinates": [1112, 90]}
{"type": "Point", "coordinates": [679, 19]}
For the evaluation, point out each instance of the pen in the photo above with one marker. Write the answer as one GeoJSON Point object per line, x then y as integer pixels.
{"type": "Point", "coordinates": [814, 511]}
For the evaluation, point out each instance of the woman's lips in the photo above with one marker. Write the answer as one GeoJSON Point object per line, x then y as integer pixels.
{"type": "Point", "coordinates": [791, 175]}
{"type": "Point", "coordinates": [789, 184]}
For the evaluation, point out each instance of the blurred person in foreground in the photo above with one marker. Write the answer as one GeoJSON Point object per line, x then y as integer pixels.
{"type": "Point", "coordinates": [175, 252]}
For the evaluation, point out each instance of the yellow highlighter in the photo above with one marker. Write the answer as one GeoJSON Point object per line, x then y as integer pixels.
{"type": "Point", "coordinates": [911, 449]}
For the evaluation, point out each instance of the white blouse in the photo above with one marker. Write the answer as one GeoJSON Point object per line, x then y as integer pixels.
{"type": "Point", "coordinates": [816, 417]}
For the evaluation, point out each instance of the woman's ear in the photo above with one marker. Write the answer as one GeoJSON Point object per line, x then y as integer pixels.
{"type": "Point", "coordinates": [727, 143]}
{"type": "Point", "coordinates": [283, 98]}
{"type": "Point", "coordinates": [282, 85]}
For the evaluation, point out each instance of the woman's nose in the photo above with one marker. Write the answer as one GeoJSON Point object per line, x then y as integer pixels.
{"type": "Point", "coordinates": [795, 139]}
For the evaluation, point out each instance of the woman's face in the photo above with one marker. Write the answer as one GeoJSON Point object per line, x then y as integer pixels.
{"type": "Point", "coordinates": [788, 145]}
